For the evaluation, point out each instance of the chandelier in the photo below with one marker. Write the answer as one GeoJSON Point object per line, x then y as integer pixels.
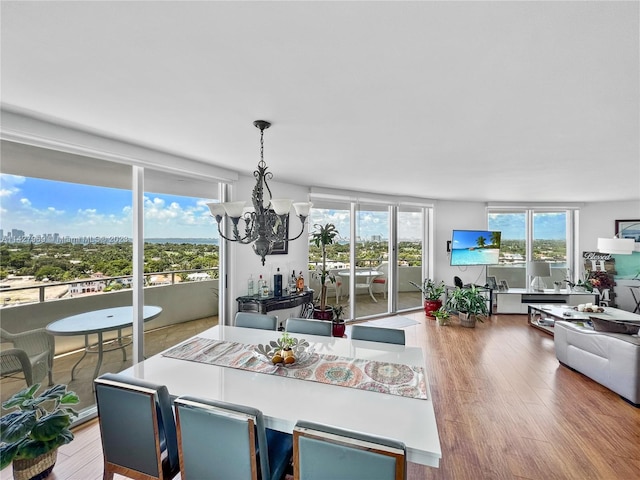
{"type": "Point", "coordinates": [267, 222]}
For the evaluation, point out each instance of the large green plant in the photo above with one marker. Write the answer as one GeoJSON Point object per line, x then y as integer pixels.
{"type": "Point", "coordinates": [468, 300]}
{"type": "Point", "coordinates": [39, 425]}
{"type": "Point", "coordinates": [430, 289]}
{"type": "Point", "coordinates": [322, 236]}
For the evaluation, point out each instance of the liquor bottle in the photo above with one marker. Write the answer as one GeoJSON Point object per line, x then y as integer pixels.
{"type": "Point", "coordinates": [277, 284]}
{"type": "Point", "coordinates": [300, 283]}
{"type": "Point", "coordinates": [292, 283]}
{"type": "Point", "coordinates": [251, 286]}
{"type": "Point", "coordinates": [261, 288]}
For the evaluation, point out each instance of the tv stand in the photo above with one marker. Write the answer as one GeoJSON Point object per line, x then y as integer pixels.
{"type": "Point", "coordinates": [517, 300]}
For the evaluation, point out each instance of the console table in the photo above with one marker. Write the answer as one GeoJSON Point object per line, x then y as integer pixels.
{"type": "Point", "coordinates": [516, 300]}
{"type": "Point", "coordinates": [255, 303]}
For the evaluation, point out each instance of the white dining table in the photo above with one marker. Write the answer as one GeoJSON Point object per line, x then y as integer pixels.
{"type": "Point", "coordinates": [284, 400]}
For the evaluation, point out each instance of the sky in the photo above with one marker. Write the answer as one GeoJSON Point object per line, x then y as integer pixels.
{"type": "Point", "coordinates": [40, 207]}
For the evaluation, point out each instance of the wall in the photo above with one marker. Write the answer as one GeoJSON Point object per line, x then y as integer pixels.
{"type": "Point", "coordinates": [449, 216]}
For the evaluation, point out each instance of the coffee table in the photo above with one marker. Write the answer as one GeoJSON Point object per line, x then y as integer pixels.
{"type": "Point", "coordinates": [538, 313]}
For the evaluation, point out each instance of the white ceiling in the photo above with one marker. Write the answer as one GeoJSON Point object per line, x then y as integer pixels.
{"type": "Point", "coordinates": [488, 101]}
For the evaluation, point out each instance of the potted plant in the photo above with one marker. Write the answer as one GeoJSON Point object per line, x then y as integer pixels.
{"type": "Point", "coordinates": [31, 434]}
{"type": "Point", "coordinates": [431, 292]}
{"type": "Point", "coordinates": [442, 315]}
{"type": "Point", "coordinates": [470, 304]}
{"type": "Point", "coordinates": [324, 235]}
{"type": "Point", "coordinates": [338, 323]}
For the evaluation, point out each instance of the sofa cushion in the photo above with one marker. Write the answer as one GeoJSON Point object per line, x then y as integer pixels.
{"type": "Point", "coordinates": [612, 326]}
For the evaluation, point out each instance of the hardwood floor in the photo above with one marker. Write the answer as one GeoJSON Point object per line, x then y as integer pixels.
{"type": "Point", "coordinates": [505, 408]}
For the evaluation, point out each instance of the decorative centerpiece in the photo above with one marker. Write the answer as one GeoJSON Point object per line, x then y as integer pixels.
{"type": "Point", "coordinates": [284, 351]}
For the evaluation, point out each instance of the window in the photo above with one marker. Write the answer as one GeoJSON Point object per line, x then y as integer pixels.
{"type": "Point", "coordinates": [532, 234]}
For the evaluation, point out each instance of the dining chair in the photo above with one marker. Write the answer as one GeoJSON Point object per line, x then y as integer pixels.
{"type": "Point", "coordinates": [31, 355]}
{"type": "Point", "coordinates": [378, 334]}
{"type": "Point", "coordinates": [256, 320]}
{"type": "Point", "coordinates": [322, 451]}
{"type": "Point", "coordinates": [220, 440]}
{"type": "Point", "coordinates": [309, 326]}
{"type": "Point", "coordinates": [137, 427]}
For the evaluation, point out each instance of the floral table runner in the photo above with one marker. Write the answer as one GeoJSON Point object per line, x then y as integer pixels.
{"type": "Point", "coordinates": [384, 377]}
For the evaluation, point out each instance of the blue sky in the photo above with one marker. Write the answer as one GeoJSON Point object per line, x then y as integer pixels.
{"type": "Point", "coordinates": [44, 207]}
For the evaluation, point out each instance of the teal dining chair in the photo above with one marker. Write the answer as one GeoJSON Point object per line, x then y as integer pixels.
{"type": "Point", "coordinates": [309, 326]}
{"type": "Point", "coordinates": [323, 452]}
{"type": "Point", "coordinates": [256, 320]}
{"type": "Point", "coordinates": [378, 334]}
{"type": "Point", "coordinates": [223, 441]}
{"type": "Point", "coordinates": [137, 428]}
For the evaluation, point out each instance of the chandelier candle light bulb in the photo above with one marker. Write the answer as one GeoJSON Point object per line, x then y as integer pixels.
{"type": "Point", "coordinates": [266, 222]}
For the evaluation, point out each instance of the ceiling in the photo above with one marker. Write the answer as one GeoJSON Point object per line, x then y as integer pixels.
{"type": "Point", "coordinates": [482, 101]}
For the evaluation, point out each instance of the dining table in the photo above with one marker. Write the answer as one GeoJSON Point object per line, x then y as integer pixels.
{"type": "Point", "coordinates": [375, 388]}
{"type": "Point", "coordinates": [99, 322]}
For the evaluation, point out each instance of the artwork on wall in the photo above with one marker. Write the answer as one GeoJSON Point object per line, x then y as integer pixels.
{"type": "Point", "coordinates": [628, 229]}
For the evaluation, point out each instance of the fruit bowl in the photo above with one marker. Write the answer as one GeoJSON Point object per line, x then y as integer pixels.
{"type": "Point", "coordinates": [284, 351]}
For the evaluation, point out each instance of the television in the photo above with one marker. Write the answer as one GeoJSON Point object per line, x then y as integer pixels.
{"type": "Point", "coordinates": [475, 247]}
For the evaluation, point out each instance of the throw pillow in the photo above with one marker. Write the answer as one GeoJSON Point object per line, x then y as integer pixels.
{"type": "Point", "coordinates": [612, 326]}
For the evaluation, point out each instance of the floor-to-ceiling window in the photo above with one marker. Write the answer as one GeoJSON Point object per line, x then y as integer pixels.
{"type": "Point", "coordinates": [533, 234]}
{"type": "Point", "coordinates": [377, 255]}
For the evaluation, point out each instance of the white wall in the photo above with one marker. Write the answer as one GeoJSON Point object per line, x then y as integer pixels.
{"type": "Point", "coordinates": [450, 216]}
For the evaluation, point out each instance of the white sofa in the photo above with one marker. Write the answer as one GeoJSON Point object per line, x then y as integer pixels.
{"type": "Point", "coordinates": [611, 359]}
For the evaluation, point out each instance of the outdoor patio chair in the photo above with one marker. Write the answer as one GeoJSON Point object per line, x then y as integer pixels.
{"type": "Point", "coordinates": [220, 440]}
{"type": "Point", "coordinates": [137, 428]}
{"type": "Point", "coordinates": [322, 451]}
{"type": "Point", "coordinates": [31, 355]}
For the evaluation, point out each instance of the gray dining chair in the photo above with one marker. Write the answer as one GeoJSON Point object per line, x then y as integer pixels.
{"type": "Point", "coordinates": [321, 452]}
{"type": "Point", "coordinates": [256, 320]}
{"type": "Point", "coordinates": [220, 440]}
{"type": "Point", "coordinates": [309, 326]}
{"type": "Point", "coordinates": [378, 334]}
{"type": "Point", "coordinates": [137, 427]}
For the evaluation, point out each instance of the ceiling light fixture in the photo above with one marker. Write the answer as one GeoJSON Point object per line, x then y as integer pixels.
{"type": "Point", "coordinates": [266, 223]}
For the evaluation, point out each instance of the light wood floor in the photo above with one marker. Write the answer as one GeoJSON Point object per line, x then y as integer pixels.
{"type": "Point", "coordinates": [505, 409]}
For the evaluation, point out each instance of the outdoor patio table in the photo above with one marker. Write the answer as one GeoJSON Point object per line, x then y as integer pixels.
{"type": "Point", "coordinates": [368, 276]}
{"type": "Point", "coordinates": [98, 322]}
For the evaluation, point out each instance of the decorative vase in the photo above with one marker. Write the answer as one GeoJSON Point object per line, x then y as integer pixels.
{"type": "Point", "coordinates": [326, 314]}
{"type": "Point", "coordinates": [467, 320]}
{"type": "Point", "coordinates": [37, 468]}
{"type": "Point", "coordinates": [338, 328]}
{"type": "Point", "coordinates": [431, 306]}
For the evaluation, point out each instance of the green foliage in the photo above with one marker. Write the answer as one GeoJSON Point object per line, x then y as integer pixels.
{"type": "Point", "coordinates": [39, 425]}
{"type": "Point", "coordinates": [468, 300]}
{"type": "Point", "coordinates": [323, 236]}
{"type": "Point", "coordinates": [430, 290]}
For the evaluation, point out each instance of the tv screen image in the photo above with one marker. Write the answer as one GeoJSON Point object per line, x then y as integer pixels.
{"type": "Point", "coordinates": [475, 247]}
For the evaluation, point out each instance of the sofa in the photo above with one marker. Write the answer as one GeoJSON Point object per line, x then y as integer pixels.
{"type": "Point", "coordinates": [611, 359]}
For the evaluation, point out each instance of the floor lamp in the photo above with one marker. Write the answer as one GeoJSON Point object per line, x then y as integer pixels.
{"type": "Point", "coordinates": [538, 270]}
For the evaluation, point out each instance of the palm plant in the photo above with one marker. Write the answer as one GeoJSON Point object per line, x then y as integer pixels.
{"type": "Point", "coordinates": [324, 235]}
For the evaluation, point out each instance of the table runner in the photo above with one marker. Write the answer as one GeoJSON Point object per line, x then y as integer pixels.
{"type": "Point", "coordinates": [384, 377]}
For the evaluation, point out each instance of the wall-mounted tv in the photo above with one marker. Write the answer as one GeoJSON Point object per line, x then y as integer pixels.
{"type": "Point", "coordinates": [475, 247]}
